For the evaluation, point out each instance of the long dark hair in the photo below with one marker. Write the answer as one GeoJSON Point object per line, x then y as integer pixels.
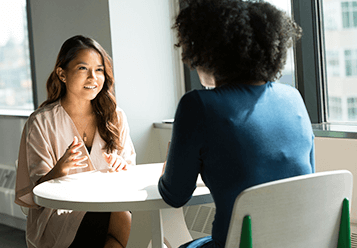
{"type": "Point", "coordinates": [104, 105]}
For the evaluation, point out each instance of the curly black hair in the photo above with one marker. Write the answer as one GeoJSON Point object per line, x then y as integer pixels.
{"type": "Point", "coordinates": [238, 41]}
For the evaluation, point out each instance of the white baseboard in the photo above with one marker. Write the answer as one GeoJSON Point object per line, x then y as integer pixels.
{"type": "Point", "coordinates": [13, 221]}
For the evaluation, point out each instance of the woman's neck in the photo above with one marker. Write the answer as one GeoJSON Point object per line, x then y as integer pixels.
{"type": "Point", "coordinates": [77, 108]}
{"type": "Point", "coordinates": [256, 83]}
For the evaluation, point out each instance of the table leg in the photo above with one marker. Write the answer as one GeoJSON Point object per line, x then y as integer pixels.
{"type": "Point", "coordinates": [157, 231]}
{"type": "Point", "coordinates": [175, 228]}
{"type": "Point", "coordinates": [154, 225]}
{"type": "Point", "coordinates": [146, 226]}
{"type": "Point", "coordinates": [140, 233]}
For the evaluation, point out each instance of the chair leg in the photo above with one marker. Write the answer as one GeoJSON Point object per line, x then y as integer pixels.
{"type": "Point", "coordinates": [246, 240]}
{"type": "Point", "coordinates": [344, 238]}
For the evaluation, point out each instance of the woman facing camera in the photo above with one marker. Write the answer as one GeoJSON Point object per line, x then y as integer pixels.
{"type": "Point", "coordinates": [78, 128]}
{"type": "Point", "coordinates": [249, 129]}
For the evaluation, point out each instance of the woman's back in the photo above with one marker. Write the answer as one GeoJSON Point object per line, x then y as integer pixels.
{"type": "Point", "coordinates": [237, 136]}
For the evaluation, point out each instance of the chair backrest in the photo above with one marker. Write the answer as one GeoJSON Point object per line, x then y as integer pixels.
{"type": "Point", "coordinates": [298, 212]}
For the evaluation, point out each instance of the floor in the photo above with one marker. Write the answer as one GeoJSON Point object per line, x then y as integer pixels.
{"type": "Point", "coordinates": [11, 237]}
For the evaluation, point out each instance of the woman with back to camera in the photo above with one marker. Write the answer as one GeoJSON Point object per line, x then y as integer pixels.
{"type": "Point", "coordinates": [78, 128]}
{"type": "Point", "coordinates": [249, 129]}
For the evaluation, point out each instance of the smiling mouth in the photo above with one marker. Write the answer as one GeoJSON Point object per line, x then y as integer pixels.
{"type": "Point", "coordinates": [90, 87]}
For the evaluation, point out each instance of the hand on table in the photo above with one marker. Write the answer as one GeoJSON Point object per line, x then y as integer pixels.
{"type": "Point", "coordinates": [115, 161]}
{"type": "Point", "coordinates": [167, 152]}
{"type": "Point", "coordinates": [70, 159]}
{"type": "Point", "coordinates": [163, 169]}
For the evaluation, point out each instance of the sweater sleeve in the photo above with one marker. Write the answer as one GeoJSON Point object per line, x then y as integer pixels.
{"type": "Point", "coordinates": [36, 158]}
{"type": "Point", "coordinates": [183, 162]}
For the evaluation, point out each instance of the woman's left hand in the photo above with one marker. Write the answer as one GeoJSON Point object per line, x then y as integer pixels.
{"type": "Point", "coordinates": [115, 161]}
{"type": "Point", "coordinates": [163, 169]}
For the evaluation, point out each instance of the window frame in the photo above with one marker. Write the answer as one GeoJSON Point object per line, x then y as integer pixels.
{"type": "Point", "coordinates": [31, 52]}
{"type": "Point", "coordinates": [310, 58]}
{"type": "Point", "coordinates": [311, 70]}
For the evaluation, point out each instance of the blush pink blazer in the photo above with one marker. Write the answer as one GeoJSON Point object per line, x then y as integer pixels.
{"type": "Point", "coordinates": [46, 135]}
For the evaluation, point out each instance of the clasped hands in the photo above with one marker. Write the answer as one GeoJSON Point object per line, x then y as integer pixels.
{"type": "Point", "coordinates": [72, 158]}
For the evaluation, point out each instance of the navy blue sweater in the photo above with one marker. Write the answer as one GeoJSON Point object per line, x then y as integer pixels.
{"type": "Point", "coordinates": [236, 136]}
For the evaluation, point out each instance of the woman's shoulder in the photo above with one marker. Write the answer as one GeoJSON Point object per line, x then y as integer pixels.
{"type": "Point", "coordinates": [195, 96]}
{"type": "Point", "coordinates": [123, 120]}
{"type": "Point", "coordinates": [121, 113]}
{"type": "Point", "coordinates": [44, 113]}
{"type": "Point", "coordinates": [285, 88]}
{"type": "Point", "coordinates": [120, 110]}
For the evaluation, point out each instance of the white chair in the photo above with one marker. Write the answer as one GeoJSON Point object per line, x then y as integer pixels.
{"type": "Point", "coordinates": [298, 212]}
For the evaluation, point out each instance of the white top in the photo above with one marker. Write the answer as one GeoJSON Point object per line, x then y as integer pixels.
{"type": "Point", "coordinates": [135, 190]}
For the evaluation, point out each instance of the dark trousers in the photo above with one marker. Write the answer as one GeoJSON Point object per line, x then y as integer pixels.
{"type": "Point", "coordinates": [92, 232]}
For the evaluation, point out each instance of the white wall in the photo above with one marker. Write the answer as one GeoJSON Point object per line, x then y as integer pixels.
{"type": "Point", "coordinates": [338, 154]}
{"type": "Point", "coordinates": [146, 68]}
{"type": "Point", "coordinates": [137, 34]}
{"type": "Point", "coordinates": [10, 134]}
{"type": "Point", "coordinates": [53, 22]}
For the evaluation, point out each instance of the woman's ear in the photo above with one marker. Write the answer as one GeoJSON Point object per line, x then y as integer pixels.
{"type": "Point", "coordinates": [61, 75]}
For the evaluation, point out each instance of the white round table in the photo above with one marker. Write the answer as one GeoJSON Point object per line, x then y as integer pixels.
{"type": "Point", "coordinates": [134, 190]}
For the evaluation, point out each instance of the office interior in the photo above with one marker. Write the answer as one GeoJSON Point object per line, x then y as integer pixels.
{"type": "Point", "coordinates": [149, 83]}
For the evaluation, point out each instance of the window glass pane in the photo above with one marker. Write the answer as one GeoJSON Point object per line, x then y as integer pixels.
{"type": "Point", "coordinates": [345, 14]}
{"type": "Point", "coordinates": [352, 108]}
{"type": "Point", "coordinates": [329, 18]}
{"type": "Point", "coordinates": [333, 63]}
{"type": "Point", "coordinates": [341, 59]}
{"type": "Point", "coordinates": [15, 72]}
{"type": "Point", "coordinates": [335, 106]}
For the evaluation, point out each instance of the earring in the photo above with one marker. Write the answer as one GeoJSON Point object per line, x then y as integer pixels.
{"type": "Point", "coordinates": [64, 80]}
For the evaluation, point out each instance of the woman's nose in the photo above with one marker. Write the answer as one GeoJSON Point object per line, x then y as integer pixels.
{"type": "Point", "coordinates": [92, 74]}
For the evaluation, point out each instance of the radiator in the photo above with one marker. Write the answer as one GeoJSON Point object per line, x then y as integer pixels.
{"type": "Point", "coordinates": [10, 213]}
{"type": "Point", "coordinates": [354, 235]}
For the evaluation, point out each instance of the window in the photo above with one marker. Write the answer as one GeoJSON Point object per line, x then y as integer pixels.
{"type": "Point", "coordinates": [351, 62]}
{"type": "Point", "coordinates": [341, 61]}
{"type": "Point", "coordinates": [330, 21]}
{"type": "Point", "coordinates": [349, 14]}
{"type": "Point", "coordinates": [352, 108]}
{"type": "Point", "coordinates": [333, 64]}
{"type": "Point", "coordinates": [335, 106]}
{"type": "Point", "coordinates": [15, 71]}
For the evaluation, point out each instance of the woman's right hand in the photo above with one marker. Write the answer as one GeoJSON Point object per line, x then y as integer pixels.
{"type": "Point", "coordinates": [71, 158]}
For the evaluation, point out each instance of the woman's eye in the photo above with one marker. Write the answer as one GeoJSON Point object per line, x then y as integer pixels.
{"type": "Point", "coordinates": [100, 69]}
{"type": "Point", "coordinates": [82, 68]}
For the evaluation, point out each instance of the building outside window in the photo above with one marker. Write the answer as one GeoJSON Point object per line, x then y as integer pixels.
{"type": "Point", "coordinates": [333, 63]}
{"type": "Point", "coordinates": [330, 22]}
{"type": "Point", "coordinates": [349, 14]}
{"type": "Point", "coordinates": [15, 72]}
{"type": "Point", "coordinates": [335, 107]}
{"type": "Point", "coordinates": [341, 58]}
{"type": "Point", "coordinates": [351, 62]}
{"type": "Point", "coordinates": [352, 108]}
